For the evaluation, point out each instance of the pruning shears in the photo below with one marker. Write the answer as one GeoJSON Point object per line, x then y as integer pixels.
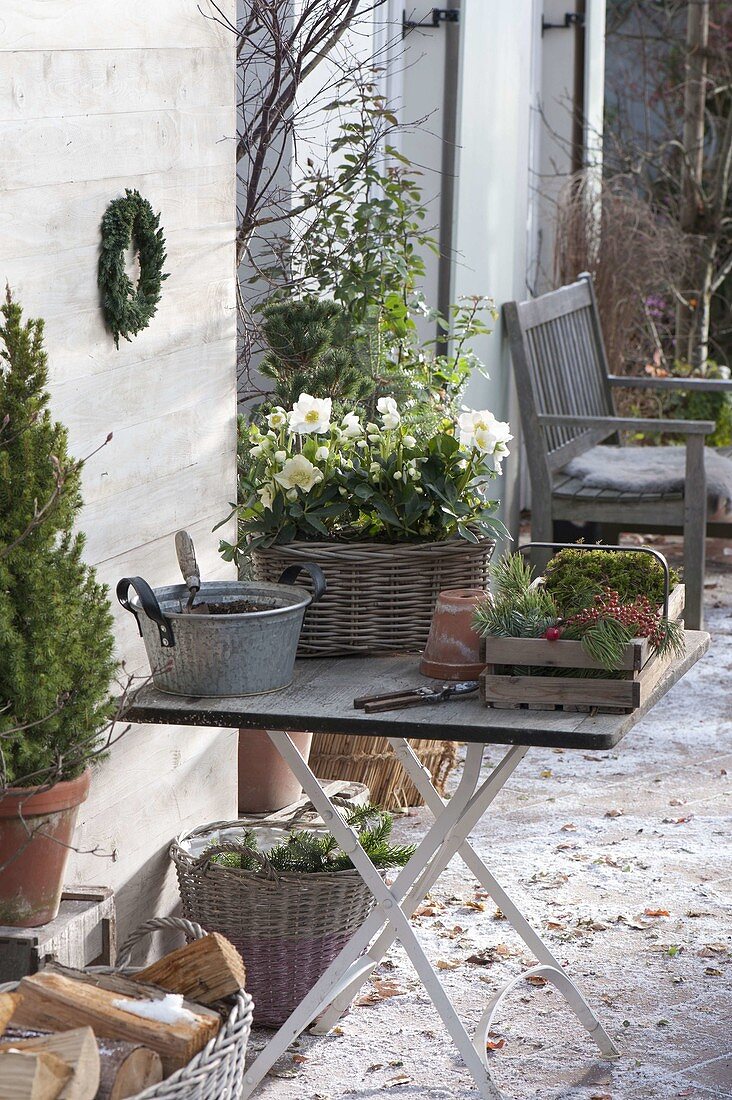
{"type": "Point", "coordinates": [414, 697]}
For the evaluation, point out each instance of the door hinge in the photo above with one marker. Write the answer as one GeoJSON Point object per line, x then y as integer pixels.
{"type": "Point", "coordinates": [571, 19]}
{"type": "Point", "coordinates": [439, 15]}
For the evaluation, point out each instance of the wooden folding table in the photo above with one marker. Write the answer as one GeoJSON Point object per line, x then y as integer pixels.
{"type": "Point", "coordinates": [321, 700]}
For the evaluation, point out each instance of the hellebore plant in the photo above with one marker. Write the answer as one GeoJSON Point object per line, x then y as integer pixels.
{"type": "Point", "coordinates": [305, 476]}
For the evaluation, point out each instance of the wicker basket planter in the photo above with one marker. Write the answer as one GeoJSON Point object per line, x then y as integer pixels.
{"type": "Point", "coordinates": [380, 596]}
{"type": "Point", "coordinates": [288, 927]}
{"type": "Point", "coordinates": [217, 1071]}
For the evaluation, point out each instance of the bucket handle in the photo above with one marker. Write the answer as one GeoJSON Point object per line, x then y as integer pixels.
{"type": "Point", "coordinates": [149, 603]}
{"type": "Point", "coordinates": [292, 572]}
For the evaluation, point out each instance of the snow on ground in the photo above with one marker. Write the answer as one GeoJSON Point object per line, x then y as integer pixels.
{"type": "Point", "coordinates": [623, 862]}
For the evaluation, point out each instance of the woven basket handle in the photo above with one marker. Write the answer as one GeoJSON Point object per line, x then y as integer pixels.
{"type": "Point", "coordinates": [204, 860]}
{"type": "Point", "coordinates": [157, 924]}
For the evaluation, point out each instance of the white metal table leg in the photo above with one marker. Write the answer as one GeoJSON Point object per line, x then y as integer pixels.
{"type": "Point", "coordinates": [551, 969]}
{"type": "Point", "coordinates": [479, 804]}
{"type": "Point", "coordinates": [349, 962]}
{"type": "Point", "coordinates": [391, 900]}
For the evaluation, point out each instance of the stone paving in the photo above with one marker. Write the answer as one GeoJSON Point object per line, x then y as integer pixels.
{"type": "Point", "coordinates": [623, 861]}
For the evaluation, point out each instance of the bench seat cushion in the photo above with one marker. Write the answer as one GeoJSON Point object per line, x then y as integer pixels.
{"type": "Point", "coordinates": [645, 473]}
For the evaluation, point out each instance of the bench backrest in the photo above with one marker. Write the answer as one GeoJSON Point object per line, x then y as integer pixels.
{"type": "Point", "coordinates": [560, 368]}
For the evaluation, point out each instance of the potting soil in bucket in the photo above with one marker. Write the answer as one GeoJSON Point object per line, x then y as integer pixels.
{"type": "Point", "coordinates": [240, 640]}
{"type": "Point", "coordinates": [288, 928]}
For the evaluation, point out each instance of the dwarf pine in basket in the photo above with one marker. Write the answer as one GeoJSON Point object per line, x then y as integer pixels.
{"type": "Point", "coordinates": [305, 852]}
{"type": "Point", "coordinates": [56, 643]}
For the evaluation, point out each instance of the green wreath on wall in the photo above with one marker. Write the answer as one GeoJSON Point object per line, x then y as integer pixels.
{"type": "Point", "coordinates": [130, 221]}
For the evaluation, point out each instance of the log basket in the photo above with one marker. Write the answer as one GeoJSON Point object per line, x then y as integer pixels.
{"type": "Point", "coordinates": [217, 1071]}
{"type": "Point", "coordinates": [288, 927]}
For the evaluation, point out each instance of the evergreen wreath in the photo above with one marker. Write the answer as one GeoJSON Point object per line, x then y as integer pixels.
{"type": "Point", "coordinates": [130, 221]}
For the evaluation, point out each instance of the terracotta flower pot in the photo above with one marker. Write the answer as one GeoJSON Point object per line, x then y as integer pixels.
{"type": "Point", "coordinates": [453, 647]}
{"type": "Point", "coordinates": [266, 783]}
{"type": "Point", "coordinates": [34, 849]}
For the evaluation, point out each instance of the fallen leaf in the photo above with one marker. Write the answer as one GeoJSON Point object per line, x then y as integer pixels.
{"type": "Point", "coordinates": [495, 1044]}
{"type": "Point", "coordinates": [613, 813]}
{"type": "Point", "coordinates": [536, 979]}
{"type": "Point", "coordinates": [546, 773]}
{"type": "Point", "coordinates": [570, 827]}
{"type": "Point", "coordinates": [499, 915]}
{"type": "Point", "coordinates": [601, 1096]}
{"type": "Point", "coordinates": [677, 802]}
{"type": "Point", "coordinates": [402, 1079]}
{"type": "Point", "coordinates": [712, 972]}
{"type": "Point", "coordinates": [656, 912]}
{"type": "Point", "coordinates": [336, 1030]}
{"type": "Point", "coordinates": [554, 924]}
{"type": "Point", "coordinates": [299, 1059]}
{"type": "Point", "coordinates": [426, 911]}
{"type": "Point", "coordinates": [373, 1068]}
{"type": "Point", "coordinates": [676, 820]}
{"type": "Point", "coordinates": [712, 949]}
{"type": "Point", "coordinates": [474, 903]}
{"type": "Point", "coordinates": [448, 964]}
{"type": "Point", "coordinates": [381, 990]}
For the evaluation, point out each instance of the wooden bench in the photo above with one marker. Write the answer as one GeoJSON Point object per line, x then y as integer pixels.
{"type": "Point", "coordinates": [565, 393]}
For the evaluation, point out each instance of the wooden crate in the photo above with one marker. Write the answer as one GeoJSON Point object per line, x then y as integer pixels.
{"type": "Point", "coordinates": [640, 669]}
{"type": "Point", "coordinates": [82, 933]}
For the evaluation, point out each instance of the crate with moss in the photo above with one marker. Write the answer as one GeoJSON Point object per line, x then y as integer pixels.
{"type": "Point", "coordinates": [591, 634]}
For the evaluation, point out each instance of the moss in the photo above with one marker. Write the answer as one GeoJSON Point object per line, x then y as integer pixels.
{"type": "Point", "coordinates": [574, 577]}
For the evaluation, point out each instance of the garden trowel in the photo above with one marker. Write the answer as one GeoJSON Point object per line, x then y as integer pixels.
{"type": "Point", "coordinates": [186, 552]}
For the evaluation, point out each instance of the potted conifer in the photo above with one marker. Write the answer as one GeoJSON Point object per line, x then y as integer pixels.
{"type": "Point", "coordinates": [56, 643]}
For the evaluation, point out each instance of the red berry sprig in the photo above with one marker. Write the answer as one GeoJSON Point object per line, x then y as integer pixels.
{"type": "Point", "coordinates": [552, 633]}
{"type": "Point", "coordinates": [639, 616]}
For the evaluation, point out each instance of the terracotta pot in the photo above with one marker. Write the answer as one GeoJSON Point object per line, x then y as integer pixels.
{"type": "Point", "coordinates": [453, 647]}
{"type": "Point", "coordinates": [266, 783]}
{"type": "Point", "coordinates": [32, 874]}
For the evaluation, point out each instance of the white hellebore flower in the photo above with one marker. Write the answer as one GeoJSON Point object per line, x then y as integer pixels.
{"type": "Point", "coordinates": [277, 418]}
{"type": "Point", "coordinates": [390, 417]}
{"type": "Point", "coordinates": [351, 426]}
{"type": "Point", "coordinates": [409, 441]}
{"type": "Point", "coordinates": [321, 454]}
{"type": "Point", "coordinates": [482, 431]}
{"type": "Point", "coordinates": [298, 473]}
{"type": "Point", "coordinates": [280, 456]}
{"type": "Point", "coordinates": [310, 414]}
{"type": "Point", "coordinates": [266, 496]}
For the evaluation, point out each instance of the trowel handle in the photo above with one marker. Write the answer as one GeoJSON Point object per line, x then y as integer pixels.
{"type": "Point", "coordinates": [186, 552]}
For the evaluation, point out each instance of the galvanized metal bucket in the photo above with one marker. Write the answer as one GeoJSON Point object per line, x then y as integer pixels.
{"type": "Point", "coordinates": [222, 655]}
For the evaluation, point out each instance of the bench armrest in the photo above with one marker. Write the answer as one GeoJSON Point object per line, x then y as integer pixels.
{"type": "Point", "coordinates": [701, 385]}
{"type": "Point", "coordinates": [630, 424]}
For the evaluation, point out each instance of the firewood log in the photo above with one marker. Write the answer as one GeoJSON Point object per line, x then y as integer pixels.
{"type": "Point", "coordinates": [58, 998]}
{"type": "Point", "coordinates": [126, 1069]}
{"type": "Point", "coordinates": [204, 971]}
{"type": "Point", "coordinates": [77, 1048]}
{"type": "Point", "coordinates": [8, 1004]}
{"type": "Point", "coordinates": [32, 1075]}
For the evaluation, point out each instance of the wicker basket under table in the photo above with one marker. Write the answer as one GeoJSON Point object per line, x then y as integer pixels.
{"type": "Point", "coordinates": [371, 761]}
{"type": "Point", "coordinates": [288, 927]}
{"type": "Point", "coordinates": [217, 1071]}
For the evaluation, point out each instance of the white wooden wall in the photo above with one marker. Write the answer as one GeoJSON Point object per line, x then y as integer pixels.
{"type": "Point", "coordinates": [96, 97]}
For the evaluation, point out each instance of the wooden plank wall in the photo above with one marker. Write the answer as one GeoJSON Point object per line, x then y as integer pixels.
{"type": "Point", "coordinates": [95, 98]}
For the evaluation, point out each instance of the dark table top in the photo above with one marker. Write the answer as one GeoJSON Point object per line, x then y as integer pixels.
{"type": "Point", "coordinates": [320, 700]}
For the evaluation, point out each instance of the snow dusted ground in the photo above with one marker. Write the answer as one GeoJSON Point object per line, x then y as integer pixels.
{"type": "Point", "coordinates": [623, 862]}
